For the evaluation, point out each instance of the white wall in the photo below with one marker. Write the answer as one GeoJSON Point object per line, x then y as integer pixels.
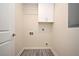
{"type": "Point", "coordinates": [65, 40]}
{"type": "Point", "coordinates": [19, 30]}
{"type": "Point", "coordinates": [31, 25]}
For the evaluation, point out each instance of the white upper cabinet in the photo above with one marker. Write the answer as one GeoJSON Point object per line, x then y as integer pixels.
{"type": "Point", "coordinates": [46, 12]}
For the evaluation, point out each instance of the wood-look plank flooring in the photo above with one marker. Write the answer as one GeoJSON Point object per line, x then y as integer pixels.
{"type": "Point", "coordinates": [37, 52]}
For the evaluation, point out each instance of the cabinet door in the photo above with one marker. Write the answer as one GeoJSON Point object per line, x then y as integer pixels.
{"type": "Point", "coordinates": [46, 12]}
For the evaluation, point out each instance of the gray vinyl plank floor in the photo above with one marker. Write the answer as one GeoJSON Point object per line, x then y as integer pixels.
{"type": "Point", "coordinates": [37, 52]}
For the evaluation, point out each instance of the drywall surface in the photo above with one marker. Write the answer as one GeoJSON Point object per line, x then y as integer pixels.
{"type": "Point", "coordinates": [19, 30]}
{"type": "Point", "coordinates": [39, 37]}
{"type": "Point", "coordinates": [65, 40]}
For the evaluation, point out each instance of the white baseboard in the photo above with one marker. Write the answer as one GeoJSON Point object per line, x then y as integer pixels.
{"type": "Point", "coordinates": [37, 48]}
